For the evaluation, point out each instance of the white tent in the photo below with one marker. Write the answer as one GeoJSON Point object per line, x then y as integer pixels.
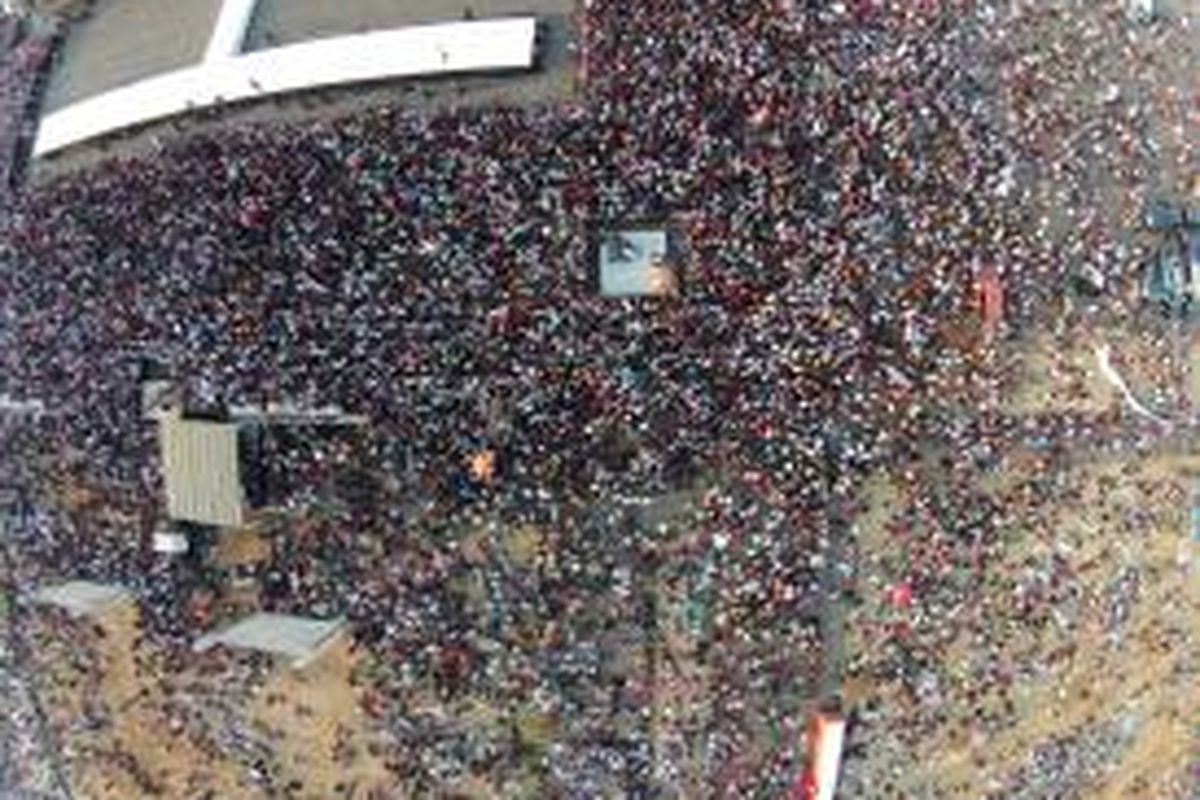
{"type": "Point", "coordinates": [83, 598]}
{"type": "Point", "coordinates": [302, 639]}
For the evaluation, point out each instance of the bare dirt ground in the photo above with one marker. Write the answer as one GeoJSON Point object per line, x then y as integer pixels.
{"type": "Point", "coordinates": [317, 715]}
{"type": "Point", "coordinates": [1106, 709]}
{"type": "Point", "coordinates": [1060, 372]}
{"type": "Point", "coordinates": [98, 676]}
{"type": "Point", "coordinates": [124, 735]}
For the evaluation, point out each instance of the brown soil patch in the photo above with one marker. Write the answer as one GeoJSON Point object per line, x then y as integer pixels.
{"type": "Point", "coordinates": [133, 750]}
{"type": "Point", "coordinates": [1087, 672]}
{"type": "Point", "coordinates": [322, 742]}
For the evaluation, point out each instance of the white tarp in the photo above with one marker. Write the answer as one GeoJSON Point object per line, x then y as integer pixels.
{"type": "Point", "coordinates": [82, 598]}
{"type": "Point", "coordinates": [301, 639]}
{"type": "Point", "coordinates": [478, 46]}
{"type": "Point", "coordinates": [170, 544]}
{"type": "Point", "coordinates": [287, 412]}
{"type": "Point", "coordinates": [156, 399]}
{"type": "Point", "coordinates": [828, 766]}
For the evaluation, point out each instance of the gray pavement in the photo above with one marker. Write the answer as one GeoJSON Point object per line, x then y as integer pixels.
{"type": "Point", "coordinates": [124, 41]}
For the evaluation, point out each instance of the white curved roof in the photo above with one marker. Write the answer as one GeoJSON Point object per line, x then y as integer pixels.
{"type": "Point", "coordinates": [424, 50]}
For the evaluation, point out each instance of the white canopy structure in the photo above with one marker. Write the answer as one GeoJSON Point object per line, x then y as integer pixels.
{"type": "Point", "coordinates": [1143, 10]}
{"type": "Point", "coordinates": [633, 263]}
{"type": "Point", "coordinates": [301, 639]}
{"type": "Point", "coordinates": [423, 50]}
{"type": "Point", "coordinates": [83, 598]}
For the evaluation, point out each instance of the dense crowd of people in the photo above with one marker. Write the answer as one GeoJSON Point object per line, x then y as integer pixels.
{"type": "Point", "coordinates": [841, 173]}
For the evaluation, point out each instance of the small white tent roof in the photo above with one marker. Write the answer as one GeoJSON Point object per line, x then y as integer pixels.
{"type": "Point", "coordinates": [301, 639]}
{"type": "Point", "coordinates": [82, 598]}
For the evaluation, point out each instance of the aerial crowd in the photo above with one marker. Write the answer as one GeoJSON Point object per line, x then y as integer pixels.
{"type": "Point", "coordinates": [840, 174]}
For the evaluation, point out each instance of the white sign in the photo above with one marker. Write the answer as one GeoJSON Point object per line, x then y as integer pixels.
{"type": "Point", "coordinates": [171, 544]}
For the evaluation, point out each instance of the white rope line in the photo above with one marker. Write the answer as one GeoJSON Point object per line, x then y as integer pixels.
{"type": "Point", "coordinates": [1104, 361]}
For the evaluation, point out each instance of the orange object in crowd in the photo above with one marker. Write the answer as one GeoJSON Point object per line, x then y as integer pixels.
{"type": "Point", "coordinates": [483, 466]}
